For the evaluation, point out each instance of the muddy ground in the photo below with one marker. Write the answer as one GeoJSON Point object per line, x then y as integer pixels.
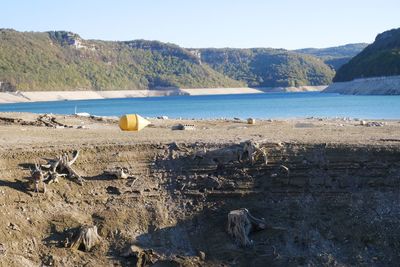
{"type": "Point", "coordinates": [336, 206]}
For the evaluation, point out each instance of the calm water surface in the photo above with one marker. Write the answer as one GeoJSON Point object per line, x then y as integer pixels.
{"type": "Point", "coordinates": [270, 105]}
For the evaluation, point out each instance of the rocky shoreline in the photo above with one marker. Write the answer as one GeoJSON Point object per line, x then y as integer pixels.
{"type": "Point", "coordinates": [389, 85]}
{"type": "Point", "coordinates": [36, 96]}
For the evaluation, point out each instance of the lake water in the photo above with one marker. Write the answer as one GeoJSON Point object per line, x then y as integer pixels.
{"type": "Point", "coordinates": [269, 105]}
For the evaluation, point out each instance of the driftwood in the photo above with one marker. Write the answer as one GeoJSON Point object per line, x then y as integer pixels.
{"type": "Point", "coordinates": [86, 238]}
{"type": "Point", "coordinates": [38, 178]}
{"type": "Point", "coordinates": [62, 167]}
{"type": "Point", "coordinates": [248, 151]}
{"type": "Point", "coordinates": [50, 121]}
{"type": "Point", "coordinates": [241, 223]}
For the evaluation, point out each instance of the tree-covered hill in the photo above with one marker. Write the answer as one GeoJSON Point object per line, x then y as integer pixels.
{"type": "Point", "coordinates": [335, 56]}
{"type": "Point", "coordinates": [60, 60]}
{"type": "Point", "coordinates": [265, 67]}
{"type": "Point", "coordinates": [64, 61]}
{"type": "Point", "coordinates": [381, 58]}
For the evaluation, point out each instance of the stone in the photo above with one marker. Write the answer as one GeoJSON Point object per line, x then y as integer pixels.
{"type": "Point", "coordinates": [202, 255]}
{"type": "Point", "coordinates": [3, 249]}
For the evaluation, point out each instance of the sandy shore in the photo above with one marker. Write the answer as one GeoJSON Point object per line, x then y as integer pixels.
{"type": "Point", "coordinates": [18, 97]}
{"type": "Point", "coordinates": [20, 133]}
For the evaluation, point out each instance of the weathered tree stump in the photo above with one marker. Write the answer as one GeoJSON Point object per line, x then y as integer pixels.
{"type": "Point", "coordinates": [241, 223]}
{"type": "Point", "coordinates": [38, 178]}
{"type": "Point", "coordinates": [252, 151]}
{"type": "Point", "coordinates": [86, 238]}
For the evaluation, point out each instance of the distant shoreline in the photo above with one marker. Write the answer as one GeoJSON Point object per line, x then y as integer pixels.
{"type": "Point", "coordinates": [385, 85]}
{"type": "Point", "coordinates": [41, 96]}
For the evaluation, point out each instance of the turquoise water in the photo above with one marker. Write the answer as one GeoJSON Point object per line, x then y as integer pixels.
{"type": "Point", "coordinates": [271, 105]}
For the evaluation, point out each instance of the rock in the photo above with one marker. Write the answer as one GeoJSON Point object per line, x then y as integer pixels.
{"type": "Point", "coordinates": [184, 127]}
{"type": "Point", "coordinates": [119, 173]}
{"type": "Point", "coordinates": [202, 255]}
{"type": "Point", "coordinates": [279, 144]}
{"type": "Point", "coordinates": [82, 114]}
{"type": "Point", "coordinates": [132, 250]}
{"type": "Point", "coordinates": [112, 190]}
{"type": "Point", "coordinates": [48, 260]}
{"type": "Point", "coordinates": [14, 227]}
{"type": "Point", "coordinates": [145, 257]}
{"type": "Point", "coordinates": [3, 249]}
{"type": "Point", "coordinates": [375, 124]}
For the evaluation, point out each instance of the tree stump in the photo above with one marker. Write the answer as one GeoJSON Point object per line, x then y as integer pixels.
{"type": "Point", "coordinates": [86, 238]}
{"type": "Point", "coordinates": [241, 223]}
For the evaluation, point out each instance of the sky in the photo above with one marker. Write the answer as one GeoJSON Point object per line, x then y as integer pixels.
{"type": "Point", "coordinates": [289, 24]}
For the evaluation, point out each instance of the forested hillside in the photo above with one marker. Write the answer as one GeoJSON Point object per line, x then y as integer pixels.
{"type": "Point", "coordinates": [264, 67]}
{"type": "Point", "coordinates": [335, 56]}
{"type": "Point", "coordinates": [381, 58]}
{"type": "Point", "coordinates": [64, 61]}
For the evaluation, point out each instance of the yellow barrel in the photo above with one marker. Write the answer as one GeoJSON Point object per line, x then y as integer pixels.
{"type": "Point", "coordinates": [251, 121]}
{"type": "Point", "coordinates": [132, 122]}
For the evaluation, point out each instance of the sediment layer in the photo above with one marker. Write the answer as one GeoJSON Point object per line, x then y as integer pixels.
{"type": "Point", "coordinates": [328, 193]}
{"type": "Point", "coordinates": [335, 200]}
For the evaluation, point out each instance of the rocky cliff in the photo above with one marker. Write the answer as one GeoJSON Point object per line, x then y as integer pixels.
{"type": "Point", "coordinates": [381, 58]}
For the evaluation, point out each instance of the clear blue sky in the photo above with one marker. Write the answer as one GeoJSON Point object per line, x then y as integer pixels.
{"type": "Point", "coordinates": [210, 23]}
